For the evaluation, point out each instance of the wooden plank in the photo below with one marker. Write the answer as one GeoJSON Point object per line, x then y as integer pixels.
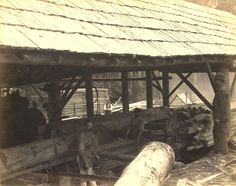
{"type": "Point", "coordinates": [194, 89]}
{"type": "Point", "coordinates": [125, 91]}
{"type": "Point", "coordinates": [165, 87]}
{"type": "Point", "coordinates": [178, 85]}
{"type": "Point", "coordinates": [149, 95]}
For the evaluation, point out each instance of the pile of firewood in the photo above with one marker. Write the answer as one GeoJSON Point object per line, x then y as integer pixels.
{"type": "Point", "coordinates": [190, 128]}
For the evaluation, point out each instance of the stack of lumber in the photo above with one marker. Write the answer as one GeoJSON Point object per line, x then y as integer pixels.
{"type": "Point", "coordinates": [190, 128]}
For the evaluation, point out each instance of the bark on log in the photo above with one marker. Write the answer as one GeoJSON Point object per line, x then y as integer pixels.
{"type": "Point", "coordinates": [150, 167]}
{"type": "Point", "coordinates": [221, 111]}
{"type": "Point", "coordinates": [115, 121]}
{"type": "Point", "coordinates": [25, 156]}
{"type": "Point", "coordinates": [13, 161]}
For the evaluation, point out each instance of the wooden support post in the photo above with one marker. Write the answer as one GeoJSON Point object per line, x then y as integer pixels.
{"type": "Point", "coordinates": [150, 168]}
{"type": "Point", "coordinates": [195, 90]}
{"type": "Point", "coordinates": [165, 87]}
{"type": "Point", "coordinates": [55, 101]}
{"type": "Point", "coordinates": [221, 111]}
{"type": "Point", "coordinates": [89, 95]}
{"type": "Point", "coordinates": [149, 95]}
{"type": "Point", "coordinates": [233, 87]}
{"type": "Point", "coordinates": [125, 91]}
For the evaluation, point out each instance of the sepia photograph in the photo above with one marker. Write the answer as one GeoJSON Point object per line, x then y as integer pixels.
{"type": "Point", "coordinates": [117, 92]}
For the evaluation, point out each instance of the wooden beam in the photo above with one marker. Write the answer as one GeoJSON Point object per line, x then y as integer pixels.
{"type": "Point", "coordinates": [165, 87]}
{"type": "Point", "coordinates": [68, 88]}
{"type": "Point", "coordinates": [194, 89]}
{"type": "Point", "coordinates": [77, 85]}
{"type": "Point", "coordinates": [210, 75]}
{"type": "Point", "coordinates": [158, 86]}
{"type": "Point", "coordinates": [233, 87]}
{"type": "Point", "coordinates": [125, 91]}
{"type": "Point", "coordinates": [179, 84]}
{"type": "Point", "coordinates": [149, 95]}
{"type": "Point", "coordinates": [40, 96]}
{"type": "Point", "coordinates": [129, 79]}
{"type": "Point", "coordinates": [46, 57]}
{"type": "Point", "coordinates": [89, 95]}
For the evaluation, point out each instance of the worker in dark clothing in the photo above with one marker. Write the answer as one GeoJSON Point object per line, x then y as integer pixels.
{"type": "Point", "coordinates": [87, 152]}
{"type": "Point", "coordinates": [136, 127]}
{"type": "Point", "coordinates": [36, 121]}
{"type": "Point", "coordinates": [221, 113]}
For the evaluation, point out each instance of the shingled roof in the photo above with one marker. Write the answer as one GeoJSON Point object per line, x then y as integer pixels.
{"type": "Point", "coordinates": [140, 27]}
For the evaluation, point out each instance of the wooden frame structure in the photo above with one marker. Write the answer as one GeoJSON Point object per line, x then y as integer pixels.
{"type": "Point", "coordinates": [40, 53]}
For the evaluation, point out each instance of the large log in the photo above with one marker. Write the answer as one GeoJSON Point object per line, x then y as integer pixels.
{"type": "Point", "coordinates": [24, 156]}
{"type": "Point", "coordinates": [114, 121]}
{"type": "Point", "coordinates": [150, 167]}
{"type": "Point", "coordinates": [16, 160]}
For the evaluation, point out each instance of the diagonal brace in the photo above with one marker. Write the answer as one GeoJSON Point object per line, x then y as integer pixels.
{"type": "Point", "coordinates": [179, 84]}
{"type": "Point", "coordinates": [211, 76]}
{"type": "Point", "coordinates": [157, 85]}
{"type": "Point", "coordinates": [79, 82]}
{"type": "Point", "coordinates": [233, 86]}
{"type": "Point", "coordinates": [68, 88]}
{"type": "Point", "coordinates": [195, 90]}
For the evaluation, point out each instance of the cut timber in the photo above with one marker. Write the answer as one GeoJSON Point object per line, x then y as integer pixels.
{"type": "Point", "coordinates": [25, 156]}
{"type": "Point", "coordinates": [42, 154]}
{"type": "Point", "coordinates": [150, 167]}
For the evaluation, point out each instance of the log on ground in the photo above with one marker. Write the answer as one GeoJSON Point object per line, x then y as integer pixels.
{"type": "Point", "coordinates": [150, 167]}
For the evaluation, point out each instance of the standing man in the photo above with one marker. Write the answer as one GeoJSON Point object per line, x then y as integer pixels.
{"type": "Point", "coordinates": [87, 152]}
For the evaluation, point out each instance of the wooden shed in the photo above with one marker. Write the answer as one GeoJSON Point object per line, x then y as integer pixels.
{"type": "Point", "coordinates": [50, 40]}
